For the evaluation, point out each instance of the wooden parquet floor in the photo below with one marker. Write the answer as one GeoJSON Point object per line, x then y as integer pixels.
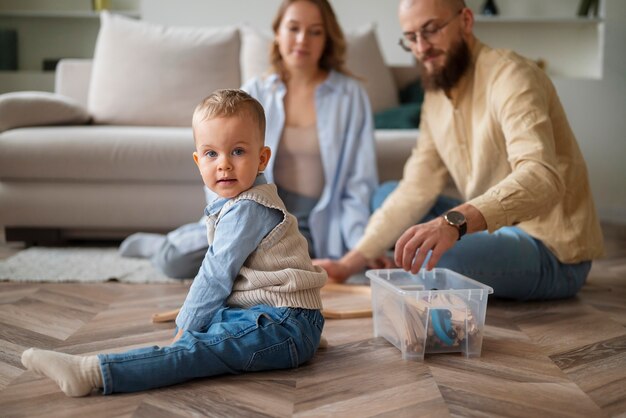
{"type": "Point", "coordinates": [541, 359]}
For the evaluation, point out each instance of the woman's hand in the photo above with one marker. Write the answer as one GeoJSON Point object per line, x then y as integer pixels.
{"type": "Point", "coordinates": [382, 262]}
{"type": "Point", "coordinates": [339, 270]}
{"type": "Point", "coordinates": [336, 270]}
{"type": "Point", "coordinates": [413, 246]}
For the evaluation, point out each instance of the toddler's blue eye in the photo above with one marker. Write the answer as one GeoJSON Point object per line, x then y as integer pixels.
{"type": "Point", "coordinates": [238, 151]}
{"type": "Point", "coordinates": [211, 154]}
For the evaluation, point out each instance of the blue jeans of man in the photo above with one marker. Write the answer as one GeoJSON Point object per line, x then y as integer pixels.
{"type": "Point", "coordinates": [514, 264]}
{"type": "Point", "coordinates": [237, 340]}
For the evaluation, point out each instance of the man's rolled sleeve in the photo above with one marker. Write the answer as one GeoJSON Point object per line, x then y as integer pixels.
{"type": "Point", "coordinates": [492, 210]}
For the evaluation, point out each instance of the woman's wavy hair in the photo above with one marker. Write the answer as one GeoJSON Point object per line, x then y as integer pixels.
{"type": "Point", "coordinates": [334, 54]}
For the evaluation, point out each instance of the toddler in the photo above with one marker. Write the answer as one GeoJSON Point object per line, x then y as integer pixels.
{"type": "Point", "coordinates": [255, 303]}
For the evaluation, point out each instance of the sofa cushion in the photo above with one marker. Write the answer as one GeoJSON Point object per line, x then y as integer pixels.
{"type": "Point", "coordinates": [364, 59]}
{"type": "Point", "coordinates": [34, 108]}
{"type": "Point", "coordinates": [152, 75]}
{"type": "Point", "coordinates": [99, 209]}
{"type": "Point", "coordinates": [99, 153]}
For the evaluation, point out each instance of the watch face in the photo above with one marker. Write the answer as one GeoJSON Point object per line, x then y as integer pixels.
{"type": "Point", "coordinates": [455, 218]}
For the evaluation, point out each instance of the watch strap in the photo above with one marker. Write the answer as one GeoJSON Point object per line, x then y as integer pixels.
{"type": "Point", "coordinates": [462, 230]}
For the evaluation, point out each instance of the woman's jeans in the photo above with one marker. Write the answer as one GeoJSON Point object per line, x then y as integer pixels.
{"type": "Point", "coordinates": [237, 340]}
{"type": "Point", "coordinates": [514, 264]}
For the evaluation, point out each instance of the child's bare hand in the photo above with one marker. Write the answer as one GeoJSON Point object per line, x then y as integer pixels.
{"type": "Point", "coordinates": [178, 335]}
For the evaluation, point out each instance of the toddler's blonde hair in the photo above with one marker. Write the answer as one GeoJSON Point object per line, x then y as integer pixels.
{"type": "Point", "coordinates": [229, 103]}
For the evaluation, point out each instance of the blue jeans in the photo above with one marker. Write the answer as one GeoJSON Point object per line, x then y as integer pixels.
{"type": "Point", "coordinates": [514, 264]}
{"type": "Point", "coordinates": [237, 340]}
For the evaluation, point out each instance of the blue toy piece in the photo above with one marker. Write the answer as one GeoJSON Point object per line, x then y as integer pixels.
{"type": "Point", "coordinates": [442, 326]}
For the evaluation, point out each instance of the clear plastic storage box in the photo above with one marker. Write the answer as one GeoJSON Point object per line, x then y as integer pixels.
{"type": "Point", "coordinates": [437, 311]}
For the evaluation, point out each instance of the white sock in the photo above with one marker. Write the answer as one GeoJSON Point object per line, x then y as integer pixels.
{"type": "Point", "coordinates": [141, 245]}
{"type": "Point", "coordinates": [75, 375]}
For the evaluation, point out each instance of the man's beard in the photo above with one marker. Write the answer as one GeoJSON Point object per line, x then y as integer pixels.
{"type": "Point", "coordinates": [453, 69]}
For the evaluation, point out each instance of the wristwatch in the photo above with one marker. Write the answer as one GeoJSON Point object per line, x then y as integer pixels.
{"type": "Point", "coordinates": [457, 220]}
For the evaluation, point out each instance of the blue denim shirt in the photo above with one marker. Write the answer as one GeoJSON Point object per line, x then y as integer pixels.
{"type": "Point", "coordinates": [237, 235]}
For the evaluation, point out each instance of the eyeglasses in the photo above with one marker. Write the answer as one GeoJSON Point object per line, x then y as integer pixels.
{"type": "Point", "coordinates": [429, 35]}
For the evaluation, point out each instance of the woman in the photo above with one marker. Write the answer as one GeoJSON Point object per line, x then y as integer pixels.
{"type": "Point", "coordinates": [320, 130]}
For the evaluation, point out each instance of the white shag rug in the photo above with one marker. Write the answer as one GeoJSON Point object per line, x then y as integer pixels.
{"type": "Point", "coordinates": [45, 264]}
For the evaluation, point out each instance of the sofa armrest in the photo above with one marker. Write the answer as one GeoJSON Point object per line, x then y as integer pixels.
{"type": "Point", "coordinates": [72, 79]}
{"type": "Point", "coordinates": [39, 108]}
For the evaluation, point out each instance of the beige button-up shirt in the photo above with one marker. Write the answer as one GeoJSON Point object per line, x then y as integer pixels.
{"type": "Point", "coordinates": [504, 138]}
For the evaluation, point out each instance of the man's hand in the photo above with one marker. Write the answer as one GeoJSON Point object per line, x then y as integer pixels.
{"type": "Point", "coordinates": [436, 235]}
{"type": "Point", "coordinates": [413, 246]}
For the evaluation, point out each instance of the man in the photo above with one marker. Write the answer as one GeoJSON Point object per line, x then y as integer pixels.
{"type": "Point", "coordinates": [492, 121]}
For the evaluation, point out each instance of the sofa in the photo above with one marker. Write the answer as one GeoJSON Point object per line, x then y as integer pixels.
{"type": "Point", "coordinates": [109, 152]}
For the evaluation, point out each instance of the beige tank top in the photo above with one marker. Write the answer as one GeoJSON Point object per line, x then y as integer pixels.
{"type": "Point", "coordinates": [298, 167]}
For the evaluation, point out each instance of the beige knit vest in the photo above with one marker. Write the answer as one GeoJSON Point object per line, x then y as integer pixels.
{"type": "Point", "coordinates": [279, 272]}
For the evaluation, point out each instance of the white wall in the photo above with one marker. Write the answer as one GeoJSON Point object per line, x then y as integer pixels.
{"type": "Point", "coordinates": [596, 107]}
{"type": "Point", "coordinates": [597, 112]}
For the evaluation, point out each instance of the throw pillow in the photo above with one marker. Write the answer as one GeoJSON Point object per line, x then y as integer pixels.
{"type": "Point", "coordinates": [364, 60]}
{"type": "Point", "coordinates": [405, 116]}
{"type": "Point", "coordinates": [412, 93]}
{"type": "Point", "coordinates": [148, 74]}
{"type": "Point", "coordinates": [37, 108]}
{"type": "Point", "coordinates": [255, 52]}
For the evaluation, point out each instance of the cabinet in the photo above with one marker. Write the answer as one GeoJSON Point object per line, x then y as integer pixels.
{"type": "Point", "coordinates": [48, 35]}
{"type": "Point", "coordinates": [571, 47]}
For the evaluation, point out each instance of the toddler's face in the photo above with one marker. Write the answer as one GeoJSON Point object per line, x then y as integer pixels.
{"type": "Point", "coordinates": [229, 154]}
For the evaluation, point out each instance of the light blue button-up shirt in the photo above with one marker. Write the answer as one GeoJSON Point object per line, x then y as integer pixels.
{"type": "Point", "coordinates": [347, 149]}
{"type": "Point", "coordinates": [237, 234]}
